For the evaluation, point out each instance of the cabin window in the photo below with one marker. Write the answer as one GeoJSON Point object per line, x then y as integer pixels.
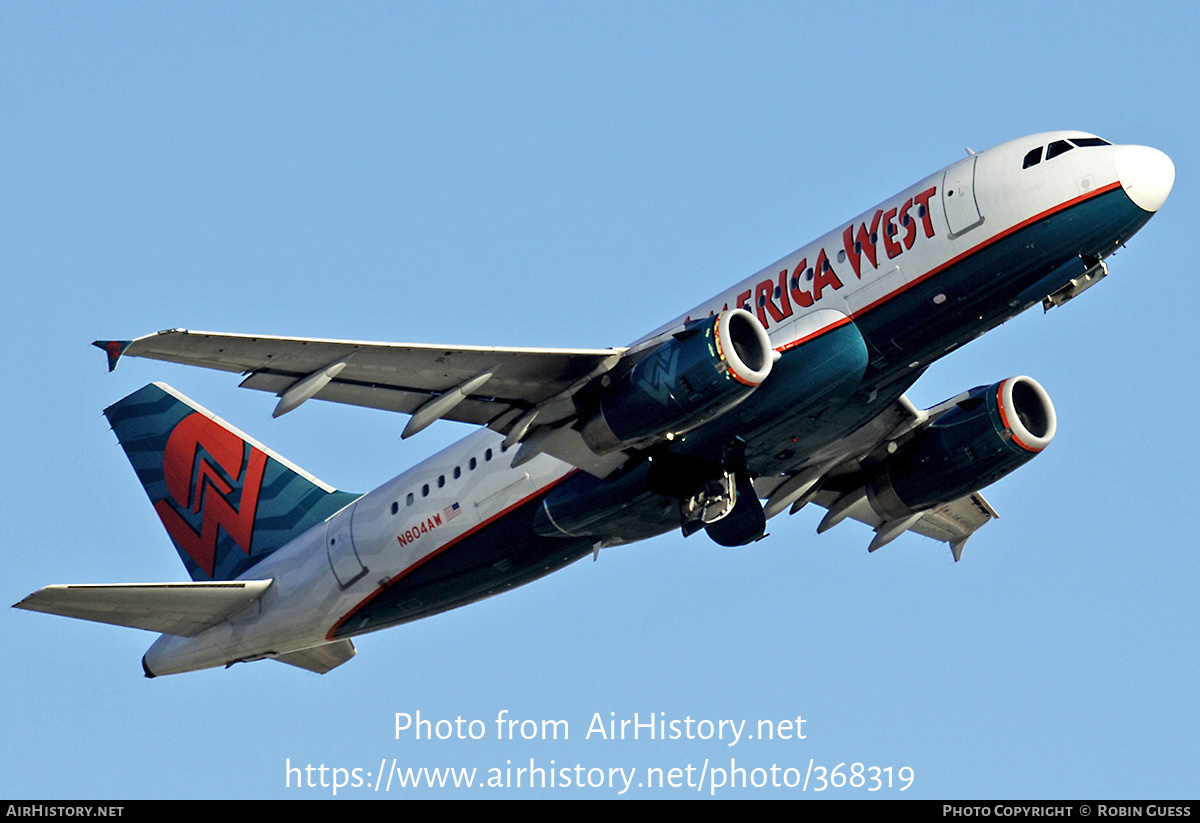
{"type": "Point", "coordinates": [473, 464]}
{"type": "Point", "coordinates": [441, 480]}
{"type": "Point", "coordinates": [487, 455]}
{"type": "Point", "coordinates": [457, 472]}
{"type": "Point", "coordinates": [1058, 147]}
{"type": "Point", "coordinates": [410, 499]}
{"type": "Point", "coordinates": [425, 490]}
{"type": "Point", "coordinates": [1033, 158]}
{"type": "Point", "coordinates": [395, 507]}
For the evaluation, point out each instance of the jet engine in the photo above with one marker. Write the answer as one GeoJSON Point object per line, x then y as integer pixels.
{"type": "Point", "coordinates": [991, 432]}
{"type": "Point", "coordinates": [701, 372]}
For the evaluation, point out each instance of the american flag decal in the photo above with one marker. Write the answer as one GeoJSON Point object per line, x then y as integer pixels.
{"type": "Point", "coordinates": [451, 512]}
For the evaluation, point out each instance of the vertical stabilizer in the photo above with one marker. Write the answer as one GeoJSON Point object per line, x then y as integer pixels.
{"type": "Point", "coordinates": [226, 500]}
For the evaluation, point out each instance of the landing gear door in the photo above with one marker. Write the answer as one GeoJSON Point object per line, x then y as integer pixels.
{"type": "Point", "coordinates": [339, 545]}
{"type": "Point", "coordinates": [958, 197]}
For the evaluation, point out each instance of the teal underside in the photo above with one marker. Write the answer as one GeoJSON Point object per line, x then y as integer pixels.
{"type": "Point", "coordinates": [997, 282]}
{"type": "Point", "coordinates": [817, 393]}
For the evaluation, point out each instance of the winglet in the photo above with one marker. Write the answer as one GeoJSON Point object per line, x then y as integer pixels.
{"type": "Point", "coordinates": [114, 349]}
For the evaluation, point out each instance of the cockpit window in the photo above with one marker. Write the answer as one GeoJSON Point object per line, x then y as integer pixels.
{"type": "Point", "coordinates": [1061, 147]}
{"type": "Point", "coordinates": [1058, 147]}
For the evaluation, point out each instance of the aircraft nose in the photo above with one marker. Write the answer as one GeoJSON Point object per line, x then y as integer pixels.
{"type": "Point", "coordinates": [1146, 174]}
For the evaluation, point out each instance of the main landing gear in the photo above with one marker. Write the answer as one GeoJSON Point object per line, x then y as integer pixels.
{"type": "Point", "coordinates": [727, 507]}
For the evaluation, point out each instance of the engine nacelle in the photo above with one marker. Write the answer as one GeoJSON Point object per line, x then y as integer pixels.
{"type": "Point", "coordinates": [701, 372]}
{"type": "Point", "coordinates": [993, 431]}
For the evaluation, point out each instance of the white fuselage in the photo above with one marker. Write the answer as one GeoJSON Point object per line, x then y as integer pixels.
{"type": "Point", "coordinates": [331, 570]}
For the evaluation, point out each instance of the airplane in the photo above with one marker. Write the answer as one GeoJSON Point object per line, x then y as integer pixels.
{"type": "Point", "coordinates": [785, 389]}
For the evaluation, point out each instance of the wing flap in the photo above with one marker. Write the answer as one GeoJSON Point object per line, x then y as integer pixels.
{"type": "Point", "coordinates": [320, 659]}
{"type": "Point", "coordinates": [957, 520]}
{"type": "Point", "coordinates": [951, 522]}
{"type": "Point", "coordinates": [183, 609]}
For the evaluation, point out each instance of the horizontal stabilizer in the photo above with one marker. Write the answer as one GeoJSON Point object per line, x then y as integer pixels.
{"type": "Point", "coordinates": [183, 609]}
{"type": "Point", "coordinates": [320, 659]}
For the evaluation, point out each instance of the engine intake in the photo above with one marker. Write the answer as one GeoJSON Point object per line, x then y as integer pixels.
{"type": "Point", "coordinates": [993, 431]}
{"type": "Point", "coordinates": [700, 373]}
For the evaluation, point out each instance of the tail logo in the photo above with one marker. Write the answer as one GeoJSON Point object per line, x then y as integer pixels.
{"type": "Point", "coordinates": [213, 473]}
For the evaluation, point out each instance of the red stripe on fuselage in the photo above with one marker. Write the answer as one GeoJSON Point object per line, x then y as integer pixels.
{"type": "Point", "coordinates": [954, 261]}
{"type": "Point", "coordinates": [837, 324]}
{"type": "Point", "coordinates": [438, 551]}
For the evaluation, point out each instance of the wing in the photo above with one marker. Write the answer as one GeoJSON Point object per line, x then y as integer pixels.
{"type": "Point", "coordinates": [834, 480]}
{"type": "Point", "coordinates": [562, 402]}
{"type": "Point", "coordinates": [487, 386]}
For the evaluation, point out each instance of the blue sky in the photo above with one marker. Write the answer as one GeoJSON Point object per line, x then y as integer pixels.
{"type": "Point", "coordinates": [571, 175]}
